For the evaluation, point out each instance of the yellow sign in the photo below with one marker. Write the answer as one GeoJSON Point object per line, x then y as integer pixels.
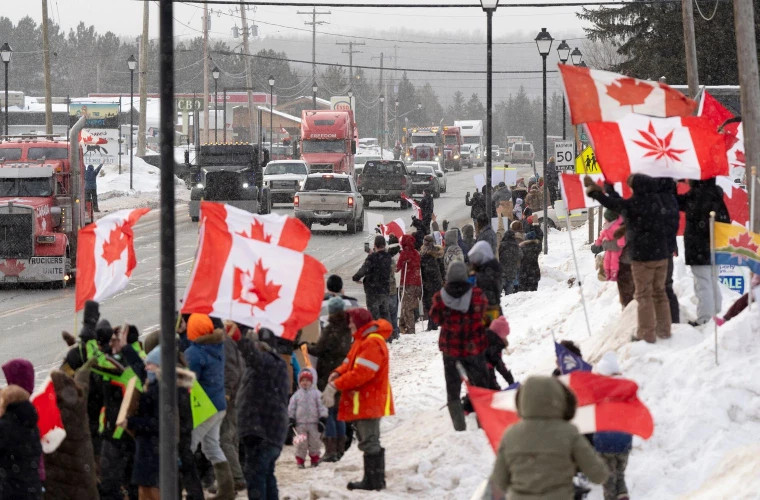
{"type": "Point", "coordinates": [586, 163]}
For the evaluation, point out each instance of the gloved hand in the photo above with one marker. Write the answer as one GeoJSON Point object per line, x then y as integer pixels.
{"type": "Point", "coordinates": [595, 249]}
{"type": "Point", "coordinates": [292, 422]}
{"type": "Point", "coordinates": [322, 425]}
{"type": "Point", "coordinates": [328, 395]}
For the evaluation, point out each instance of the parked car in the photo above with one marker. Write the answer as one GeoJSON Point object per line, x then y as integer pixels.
{"type": "Point", "coordinates": [385, 180]}
{"type": "Point", "coordinates": [330, 199]}
{"type": "Point", "coordinates": [440, 172]}
{"type": "Point", "coordinates": [522, 152]}
{"type": "Point", "coordinates": [284, 178]}
{"type": "Point", "coordinates": [557, 216]}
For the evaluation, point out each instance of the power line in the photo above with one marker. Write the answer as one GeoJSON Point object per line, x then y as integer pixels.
{"type": "Point", "coordinates": [265, 3]}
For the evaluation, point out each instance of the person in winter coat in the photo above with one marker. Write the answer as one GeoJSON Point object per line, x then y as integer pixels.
{"type": "Point", "coordinates": [551, 176]}
{"type": "Point", "coordinates": [501, 194]}
{"type": "Point", "coordinates": [485, 233]}
{"type": "Point", "coordinates": [363, 379]}
{"type": "Point", "coordinates": [262, 404]}
{"type": "Point", "coordinates": [519, 191]}
{"type": "Point", "coordinates": [331, 349]}
{"type": "Point", "coordinates": [308, 416]}
{"type": "Point", "coordinates": [20, 448]}
{"type": "Point", "coordinates": [742, 302]}
{"type": "Point", "coordinates": [205, 357]}
{"type": "Point", "coordinates": [651, 217]}
{"type": "Point", "coordinates": [468, 240]}
{"type": "Point", "coordinates": [487, 273]}
{"type": "Point", "coordinates": [517, 212]}
{"type": "Point", "coordinates": [233, 372]}
{"type": "Point", "coordinates": [376, 275]}
{"type": "Point", "coordinates": [539, 455]}
{"type": "Point", "coordinates": [394, 248]}
{"type": "Point", "coordinates": [530, 272]}
{"type": "Point", "coordinates": [669, 189]}
{"type": "Point", "coordinates": [611, 246]}
{"type": "Point", "coordinates": [334, 285]}
{"type": "Point", "coordinates": [478, 204]}
{"type": "Point", "coordinates": [460, 309]}
{"type": "Point", "coordinates": [431, 266]}
{"type": "Point", "coordinates": [497, 341]}
{"type": "Point", "coordinates": [419, 232]}
{"type": "Point", "coordinates": [452, 251]}
{"type": "Point", "coordinates": [427, 207]}
{"type": "Point", "coordinates": [703, 197]}
{"type": "Point", "coordinates": [510, 257]}
{"type": "Point", "coordinates": [411, 282]}
{"type": "Point", "coordinates": [534, 199]}
{"type": "Point", "coordinates": [91, 185]}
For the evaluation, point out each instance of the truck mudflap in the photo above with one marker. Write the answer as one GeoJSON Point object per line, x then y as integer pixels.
{"type": "Point", "coordinates": [194, 207]}
{"type": "Point", "coordinates": [33, 270]}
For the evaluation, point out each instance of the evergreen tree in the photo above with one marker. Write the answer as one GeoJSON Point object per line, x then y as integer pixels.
{"type": "Point", "coordinates": [474, 109]}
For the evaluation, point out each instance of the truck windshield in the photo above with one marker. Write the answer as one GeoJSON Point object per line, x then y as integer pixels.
{"type": "Point", "coordinates": [285, 168]}
{"type": "Point", "coordinates": [10, 154]}
{"type": "Point", "coordinates": [327, 183]}
{"type": "Point", "coordinates": [281, 150]}
{"type": "Point", "coordinates": [34, 186]}
{"type": "Point", "coordinates": [312, 146]}
{"type": "Point", "coordinates": [473, 139]}
{"type": "Point", "coordinates": [423, 139]}
{"type": "Point", "coordinates": [48, 153]}
{"type": "Point", "coordinates": [451, 139]}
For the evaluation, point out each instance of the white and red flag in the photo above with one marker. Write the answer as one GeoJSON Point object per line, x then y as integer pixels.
{"type": "Point", "coordinates": [49, 420]}
{"type": "Point", "coordinates": [604, 404]}
{"type": "Point", "coordinates": [681, 148]}
{"type": "Point", "coordinates": [413, 203]}
{"type": "Point", "coordinates": [602, 96]}
{"type": "Point", "coordinates": [275, 229]}
{"type": "Point", "coordinates": [574, 192]}
{"type": "Point", "coordinates": [713, 110]}
{"type": "Point", "coordinates": [395, 227]}
{"type": "Point", "coordinates": [106, 256]}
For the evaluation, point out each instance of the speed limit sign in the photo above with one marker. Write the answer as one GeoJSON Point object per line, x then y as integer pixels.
{"type": "Point", "coordinates": [565, 155]}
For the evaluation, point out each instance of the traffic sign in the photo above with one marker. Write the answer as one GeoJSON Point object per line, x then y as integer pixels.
{"type": "Point", "coordinates": [564, 153]}
{"type": "Point", "coordinates": [586, 163]}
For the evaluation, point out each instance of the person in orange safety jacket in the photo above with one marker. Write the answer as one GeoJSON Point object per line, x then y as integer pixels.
{"type": "Point", "coordinates": [365, 389]}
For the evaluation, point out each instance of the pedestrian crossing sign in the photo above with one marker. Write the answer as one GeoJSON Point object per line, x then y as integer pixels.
{"type": "Point", "coordinates": [586, 163]}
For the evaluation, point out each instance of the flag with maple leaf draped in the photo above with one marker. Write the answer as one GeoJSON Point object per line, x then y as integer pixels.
{"type": "Point", "coordinates": [413, 203]}
{"type": "Point", "coordinates": [737, 246]}
{"type": "Point", "coordinates": [106, 256]}
{"type": "Point", "coordinates": [713, 110]}
{"type": "Point", "coordinates": [574, 192]}
{"type": "Point", "coordinates": [681, 148]}
{"type": "Point", "coordinates": [736, 200]}
{"type": "Point", "coordinates": [601, 96]}
{"type": "Point", "coordinates": [395, 227]}
{"type": "Point", "coordinates": [254, 283]}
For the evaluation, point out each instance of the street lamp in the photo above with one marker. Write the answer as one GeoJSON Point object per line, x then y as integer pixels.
{"type": "Point", "coordinates": [576, 57]}
{"type": "Point", "coordinates": [582, 64]}
{"type": "Point", "coordinates": [215, 73]}
{"type": "Point", "coordinates": [5, 54]}
{"type": "Point", "coordinates": [271, 116]}
{"type": "Point", "coordinates": [131, 64]}
{"type": "Point", "coordinates": [398, 124]}
{"type": "Point", "coordinates": [489, 6]}
{"type": "Point", "coordinates": [544, 43]}
{"type": "Point", "coordinates": [314, 89]}
{"type": "Point", "coordinates": [380, 119]}
{"type": "Point", "coordinates": [351, 99]}
{"type": "Point", "coordinates": [563, 51]}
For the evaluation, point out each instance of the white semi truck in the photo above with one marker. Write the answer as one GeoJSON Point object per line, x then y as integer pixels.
{"type": "Point", "coordinates": [472, 138]}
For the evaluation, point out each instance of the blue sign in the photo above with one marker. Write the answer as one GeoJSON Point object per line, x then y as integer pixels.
{"type": "Point", "coordinates": [735, 283]}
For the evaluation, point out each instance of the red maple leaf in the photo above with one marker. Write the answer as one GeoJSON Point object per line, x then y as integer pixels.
{"type": "Point", "coordinates": [629, 92]}
{"type": "Point", "coordinates": [659, 148]}
{"type": "Point", "coordinates": [744, 241]}
{"type": "Point", "coordinates": [115, 245]}
{"type": "Point", "coordinates": [740, 157]}
{"type": "Point", "coordinates": [254, 289]}
{"type": "Point", "coordinates": [12, 267]}
{"type": "Point", "coordinates": [257, 232]}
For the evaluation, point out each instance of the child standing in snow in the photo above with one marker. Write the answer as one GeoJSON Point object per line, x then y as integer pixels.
{"type": "Point", "coordinates": [612, 246]}
{"type": "Point", "coordinates": [308, 416]}
{"type": "Point", "coordinates": [497, 341]}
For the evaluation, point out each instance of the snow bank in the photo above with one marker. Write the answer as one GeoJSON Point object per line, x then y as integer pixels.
{"type": "Point", "coordinates": [114, 192]}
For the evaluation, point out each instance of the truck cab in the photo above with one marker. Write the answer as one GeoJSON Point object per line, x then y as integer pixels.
{"type": "Point", "coordinates": [452, 144]}
{"type": "Point", "coordinates": [328, 140]}
{"type": "Point", "coordinates": [472, 139]}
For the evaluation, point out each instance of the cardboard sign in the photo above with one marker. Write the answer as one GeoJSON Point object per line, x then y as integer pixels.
{"type": "Point", "coordinates": [128, 403]}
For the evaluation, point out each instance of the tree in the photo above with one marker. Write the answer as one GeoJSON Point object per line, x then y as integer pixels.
{"type": "Point", "coordinates": [333, 81]}
{"type": "Point", "coordinates": [408, 101]}
{"type": "Point", "coordinates": [432, 111]}
{"type": "Point", "coordinates": [456, 109]}
{"type": "Point", "coordinates": [602, 54]}
{"type": "Point", "coordinates": [474, 109]}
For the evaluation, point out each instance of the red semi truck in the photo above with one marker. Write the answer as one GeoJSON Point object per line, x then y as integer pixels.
{"type": "Point", "coordinates": [328, 140]}
{"type": "Point", "coordinates": [434, 144]}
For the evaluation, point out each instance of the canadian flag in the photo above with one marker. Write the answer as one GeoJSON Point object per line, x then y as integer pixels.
{"type": "Point", "coordinates": [49, 420]}
{"type": "Point", "coordinates": [276, 229]}
{"type": "Point", "coordinates": [710, 108]}
{"type": "Point", "coordinates": [395, 227]}
{"type": "Point", "coordinates": [604, 404]}
{"type": "Point", "coordinates": [254, 283]}
{"type": "Point", "coordinates": [680, 147]}
{"type": "Point", "coordinates": [574, 192]}
{"type": "Point", "coordinates": [106, 256]}
{"type": "Point", "coordinates": [602, 96]}
{"type": "Point", "coordinates": [413, 203]}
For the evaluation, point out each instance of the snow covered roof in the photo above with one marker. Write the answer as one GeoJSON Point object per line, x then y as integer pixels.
{"type": "Point", "coordinates": [280, 114]}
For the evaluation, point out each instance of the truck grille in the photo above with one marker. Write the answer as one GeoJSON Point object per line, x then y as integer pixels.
{"type": "Point", "coordinates": [318, 168]}
{"type": "Point", "coordinates": [222, 186]}
{"type": "Point", "coordinates": [285, 185]}
{"type": "Point", "coordinates": [16, 241]}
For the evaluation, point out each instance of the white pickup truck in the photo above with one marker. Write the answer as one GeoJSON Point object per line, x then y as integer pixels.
{"type": "Point", "coordinates": [330, 199]}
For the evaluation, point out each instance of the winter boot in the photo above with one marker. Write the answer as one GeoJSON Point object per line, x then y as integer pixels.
{"type": "Point", "coordinates": [341, 446]}
{"type": "Point", "coordinates": [225, 484]}
{"type": "Point", "coordinates": [331, 450]}
{"type": "Point", "coordinates": [314, 460]}
{"type": "Point", "coordinates": [457, 415]}
{"type": "Point", "coordinates": [300, 461]}
{"type": "Point", "coordinates": [374, 473]}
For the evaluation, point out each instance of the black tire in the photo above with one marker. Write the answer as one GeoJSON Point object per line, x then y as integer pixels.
{"type": "Point", "coordinates": [437, 193]}
{"type": "Point", "coordinates": [366, 202]}
{"type": "Point", "coordinates": [404, 204]}
{"type": "Point", "coordinates": [360, 227]}
{"type": "Point", "coordinates": [351, 226]}
{"type": "Point", "coordinates": [307, 223]}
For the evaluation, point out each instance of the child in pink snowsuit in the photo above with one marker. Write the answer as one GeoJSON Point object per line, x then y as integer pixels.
{"type": "Point", "coordinates": [308, 416]}
{"type": "Point", "coordinates": [612, 248]}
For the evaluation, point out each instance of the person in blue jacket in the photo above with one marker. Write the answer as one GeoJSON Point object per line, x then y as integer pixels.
{"type": "Point", "coordinates": [91, 185]}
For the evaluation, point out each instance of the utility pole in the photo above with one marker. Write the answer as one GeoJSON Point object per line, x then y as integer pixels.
{"type": "Point", "coordinates": [380, 87]}
{"type": "Point", "coordinates": [248, 77]}
{"type": "Point", "coordinates": [205, 73]}
{"type": "Point", "coordinates": [692, 71]}
{"type": "Point", "coordinates": [46, 68]}
{"type": "Point", "coordinates": [351, 53]}
{"type": "Point", "coordinates": [313, 25]}
{"type": "Point", "coordinates": [143, 82]}
{"type": "Point", "coordinates": [749, 85]}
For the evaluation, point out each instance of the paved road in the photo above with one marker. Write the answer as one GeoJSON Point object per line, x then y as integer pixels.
{"type": "Point", "coordinates": [31, 319]}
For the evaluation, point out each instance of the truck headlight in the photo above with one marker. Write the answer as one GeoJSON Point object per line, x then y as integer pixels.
{"type": "Point", "coordinates": [245, 185]}
{"type": "Point", "coordinates": [300, 185]}
{"type": "Point", "coordinates": [266, 183]}
{"type": "Point", "coordinates": [456, 157]}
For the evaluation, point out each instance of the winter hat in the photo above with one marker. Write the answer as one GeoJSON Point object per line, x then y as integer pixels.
{"type": "Point", "coordinates": [529, 219]}
{"type": "Point", "coordinates": [335, 305]}
{"type": "Point", "coordinates": [429, 239]}
{"type": "Point", "coordinates": [305, 374]}
{"type": "Point", "coordinates": [500, 326]}
{"type": "Point", "coordinates": [480, 253]}
{"type": "Point", "coordinates": [91, 313]}
{"type": "Point", "coordinates": [154, 356]}
{"type": "Point", "coordinates": [518, 202]}
{"type": "Point", "coordinates": [20, 372]}
{"type": "Point", "coordinates": [103, 332]}
{"type": "Point", "coordinates": [516, 226]}
{"type": "Point", "coordinates": [457, 272]}
{"type": "Point", "coordinates": [334, 283]}
{"type": "Point", "coordinates": [609, 215]}
{"type": "Point", "coordinates": [530, 235]}
{"type": "Point", "coordinates": [359, 316]}
{"type": "Point", "coordinates": [198, 325]}
{"type": "Point", "coordinates": [608, 365]}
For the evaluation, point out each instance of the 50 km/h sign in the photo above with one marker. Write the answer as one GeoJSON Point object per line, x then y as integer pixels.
{"type": "Point", "coordinates": [564, 154]}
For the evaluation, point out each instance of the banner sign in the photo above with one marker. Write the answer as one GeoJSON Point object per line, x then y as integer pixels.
{"type": "Point", "coordinates": [99, 115]}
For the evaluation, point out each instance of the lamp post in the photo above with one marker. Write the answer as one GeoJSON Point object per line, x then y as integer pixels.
{"type": "Point", "coordinates": [271, 116]}
{"type": "Point", "coordinates": [215, 73]}
{"type": "Point", "coordinates": [582, 64]}
{"type": "Point", "coordinates": [314, 89]}
{"type": "Point", "coordinates": [398, 124]}
{"type": "Point", "coordinates": [489, 6]}
{"type": "Point", "coordinates": [132, 65]}
{"type": "Point", "coordinates": [576, 57]}
{"type": "Point", "coordinates": [563, 51]}
{"type": "Point", "coordinates": [380, 121]}
{"type": "Point", "coordinates": [351, 99]}
{"type": "Point", "coordinates": [5, 54]}
{"type": "Point", "coordinates": [544, 43]}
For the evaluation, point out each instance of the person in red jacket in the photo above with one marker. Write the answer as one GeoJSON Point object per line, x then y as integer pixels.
{"type": "Point", "coordinates": [411, 282]}
{"type": "Point", "coordinates": [365, 390]}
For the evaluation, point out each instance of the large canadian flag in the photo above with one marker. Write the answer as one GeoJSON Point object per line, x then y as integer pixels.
{"type": "Point", "coordinates": [106, 256]}
{"type": "Point", "coordinates": [604, 404]}
{"type": "Point", "coordinates": [254, 283]}
{"type": "Point", "coordinates": [602, 96]}
{"type": "Point", "coordinates": [396, 227]}
{"type": "Point", "coordinates": [574, 192]}
{"type": "Point", "coordinates": [414, 205]}
{"type": "Point", "coordinates": [276, 229]}
{"type": "Point", "coordinates": [49, 420]}
{"type": "Point", "coordinates": [681, 148]}
{"type": "Point", "coordinates": [710, 108]}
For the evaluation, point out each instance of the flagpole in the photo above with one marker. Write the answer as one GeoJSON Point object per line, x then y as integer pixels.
{"type": "Point", "coordinates": [753, 181]}
{"type": "Point", "coordinates": [714, 274]}
{"type": "Point", "coordinates": [577, 269]}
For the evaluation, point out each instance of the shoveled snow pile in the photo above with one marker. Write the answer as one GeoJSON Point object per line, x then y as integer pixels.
{"type": "Point", "coordinates": [707, 417]}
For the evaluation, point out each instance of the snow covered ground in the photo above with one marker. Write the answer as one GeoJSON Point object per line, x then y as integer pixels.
{"type": "Point", "coordinates": [707, 418]}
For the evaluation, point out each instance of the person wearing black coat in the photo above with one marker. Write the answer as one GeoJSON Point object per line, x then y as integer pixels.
{"type": "Point", "coordinates": [427, 207]}
{"type": "Point", "coordinates": [487, 273]}
{"type": "Point", "coordinates": [530, 272]}
{"type": "Point", "coordinates": [420, 232]}
{"type": "Point", "coordinates": [376, 272]}
{"type": "Point", "coordinates": [551, 177]}
{"type": "Point", "coordinates": [478, 204]}
{"type": "Point", "coordinates": [669, 186]}
{"type": "Point", "coordinates": [510, 256]}
{"type": "Point", "coordinates": [651, 219]}
{"type": "Point", "coordinates": [431, 267]}
{"type": "Point", "coordinates": [703, 197]}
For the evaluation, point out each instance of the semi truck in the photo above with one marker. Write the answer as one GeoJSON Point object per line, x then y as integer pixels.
{"type": "Point", "coordinates": [473, 140]}
{"type": "Point", "coordinates": [329, 140]}
{"type": "Point", "coordinates": [452, 140]}
{"type": "Point", "coordinates": [434, 143]}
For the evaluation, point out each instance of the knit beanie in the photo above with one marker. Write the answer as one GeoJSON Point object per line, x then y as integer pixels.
{"type": "Point", "coordinates": [609, 215]}
{"type": "Point", "coordinates": [91, 313]}
{"type": "Point", "coordinates": [608, 365]}
{"type": "Point", "coordinates": [20, 372]}
{"type": "Point", "coordinates": [516, 226]}
{"type": "Point", "coordinates": [359, 316]}
{"type": "Point", "coordinates": [335, 305]}
{"type": "Point", "coordinates": [154, 356]}
{"type": "Point", "coordinates": [199, 325]}
{"type": "Point", "coordinates": [500, 326]}
{"type": "Point", "coordinates": [457, 272]}
{"type": "Point", "coordinates": [334, 283]}
{"type": "Point", "coordinates": [305, 374]}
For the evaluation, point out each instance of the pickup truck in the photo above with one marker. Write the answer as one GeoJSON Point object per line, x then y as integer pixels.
{"type": "Point", "coordinates": [330, 199]}
{"type": "Point", "coordinates": [385, 180]}
{"type": "Point", "coordinates": [284, 178]}
{"type": "Point", "coordinates": [522, 152]}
